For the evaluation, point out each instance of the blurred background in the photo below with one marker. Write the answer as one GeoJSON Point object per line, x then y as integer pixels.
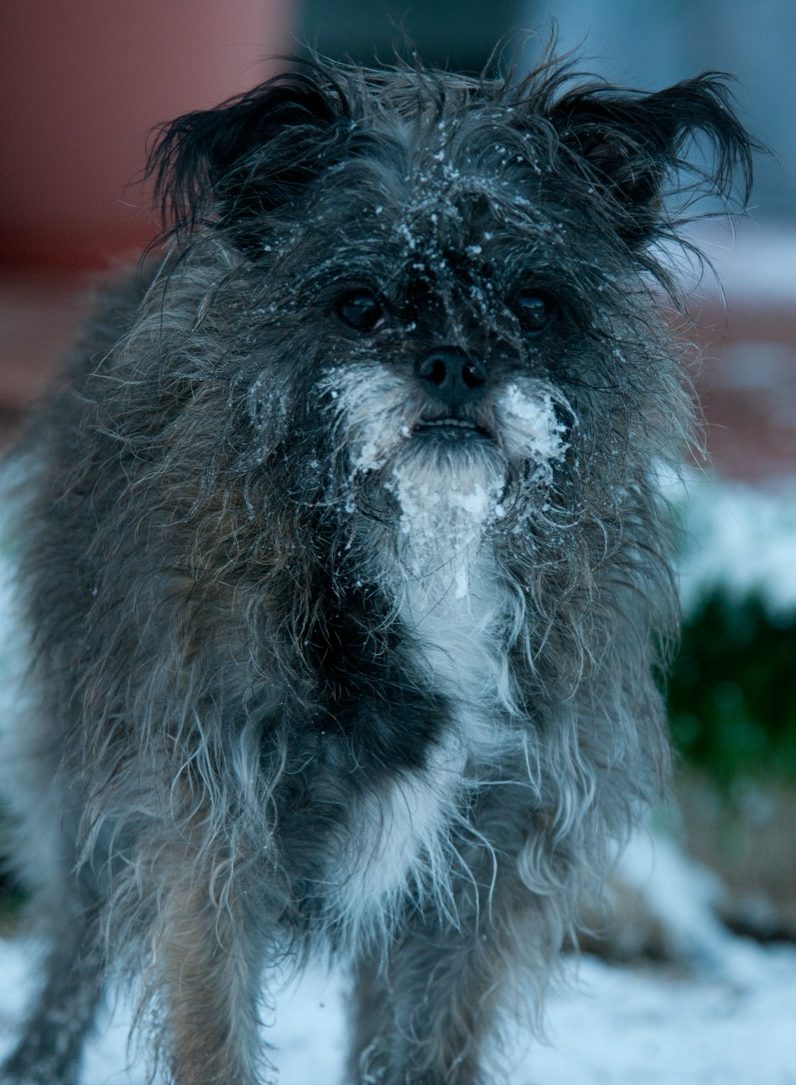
{"type": "Point", "coordinates": [84, 83]}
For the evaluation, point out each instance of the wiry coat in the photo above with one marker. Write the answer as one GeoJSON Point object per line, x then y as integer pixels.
{"type": "Point", "coordinates": [312, 666]}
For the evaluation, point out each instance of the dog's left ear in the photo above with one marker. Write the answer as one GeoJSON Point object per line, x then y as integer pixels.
{"type": "Point", "coordinates": [632, 144]}
{"type": "Point", "coordinates": [224, 166]}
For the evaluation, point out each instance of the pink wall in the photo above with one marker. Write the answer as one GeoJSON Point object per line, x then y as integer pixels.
{"type": "Point", "coordinates": [82, 82]}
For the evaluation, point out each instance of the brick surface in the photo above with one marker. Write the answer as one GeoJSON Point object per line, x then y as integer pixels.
{"type": "Point", "coordinates": [747, 387]}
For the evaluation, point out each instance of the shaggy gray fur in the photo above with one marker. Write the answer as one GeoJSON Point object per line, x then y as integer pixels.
{"type": "Point", "coordinates": [345, 566]}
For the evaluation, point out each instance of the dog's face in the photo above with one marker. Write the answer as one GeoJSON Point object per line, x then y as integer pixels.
{"type": "Point", "coordinates": [442, 334]}
{"type": "Point", "coordinates": [445, 286]}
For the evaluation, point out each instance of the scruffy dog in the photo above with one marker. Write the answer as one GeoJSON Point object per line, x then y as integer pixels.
{"type": "Point", "coordinates": [345, 567]}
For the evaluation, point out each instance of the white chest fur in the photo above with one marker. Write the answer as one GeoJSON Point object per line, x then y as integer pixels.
{"type": "Point", "coordinates": [461, 647]}
{"type": "Point", "coordinates": [399, 838]}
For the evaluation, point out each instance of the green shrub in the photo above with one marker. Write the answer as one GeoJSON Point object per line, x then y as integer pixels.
{"type": "Point", "coordinates": [732, 689]}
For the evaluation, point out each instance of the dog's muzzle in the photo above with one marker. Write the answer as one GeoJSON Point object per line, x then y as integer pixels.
{"type": "Point", "coordinates": [455, 384]}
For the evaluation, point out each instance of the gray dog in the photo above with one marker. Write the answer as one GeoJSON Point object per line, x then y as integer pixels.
{"type": "Point", "coordinates": [345, 567]}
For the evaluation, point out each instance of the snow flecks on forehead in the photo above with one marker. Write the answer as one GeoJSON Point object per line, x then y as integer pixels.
{"type": "Point", "coordinates": [438, 191]}
{"type": "Point", "coordinates": [529, 425]}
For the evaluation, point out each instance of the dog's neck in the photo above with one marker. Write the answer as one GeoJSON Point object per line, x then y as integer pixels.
{"type": "Point", "coordinates": [439, 570]}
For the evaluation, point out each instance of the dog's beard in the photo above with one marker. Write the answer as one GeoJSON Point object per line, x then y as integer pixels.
{"type": "Point", "coordinates": [448, 494]}
{"type": "Point", "coordinates": [441, 491]}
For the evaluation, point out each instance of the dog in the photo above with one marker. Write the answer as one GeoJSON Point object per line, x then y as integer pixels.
{"type": "Point", "coordinates": [346, 569]}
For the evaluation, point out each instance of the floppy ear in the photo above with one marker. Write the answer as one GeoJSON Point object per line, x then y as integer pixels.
{"type": "Point", "coordinates": [630, 144]}
{"type": "Point", "coordinates": [246, 156]}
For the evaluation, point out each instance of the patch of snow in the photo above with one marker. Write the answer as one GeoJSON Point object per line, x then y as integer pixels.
{"type": "Point", "coordinates": [623, 1026]}
{"type": "Point", "coordinates": [681, 897]}
{"type": "Point", "coordinates": [740, 540]}
{"type": "Point", "coordinates": [447, 493]}
{"type": "Point", "coordinates": [528, 421]}
{"type": "Point", "coordinates": [608, 1026]}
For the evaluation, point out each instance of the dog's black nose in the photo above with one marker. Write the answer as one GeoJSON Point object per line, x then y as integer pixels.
{"type": "Point", "coordinates": [450, 376]}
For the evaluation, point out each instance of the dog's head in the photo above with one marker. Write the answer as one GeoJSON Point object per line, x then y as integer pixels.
{"type": "Point", "coordinates": [437, 291]}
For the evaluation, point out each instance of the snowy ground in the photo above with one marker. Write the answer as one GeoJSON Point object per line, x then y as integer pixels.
{"type": "Point", "coordinates": [740, 539]}
{"type": "Point", "coordinates": [614, 1026]}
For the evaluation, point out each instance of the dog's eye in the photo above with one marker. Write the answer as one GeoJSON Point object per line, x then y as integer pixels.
{"type": "Point", "coordinates": [534, 310]}
{"type": "Point", "coordinates": [360, 310]}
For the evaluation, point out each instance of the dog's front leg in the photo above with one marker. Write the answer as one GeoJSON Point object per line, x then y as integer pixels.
{"type": "Point", "coordinates": [213, 953]}
{"type": "Point", "coordinates": [423, 1009]}
{"type": "Point", "coordinates": [49, 1050]}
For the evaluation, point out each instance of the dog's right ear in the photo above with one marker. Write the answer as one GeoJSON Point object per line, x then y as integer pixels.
{"type": "Point", "coordinates": [248, 155]}
{"type": "Point", "coordinates": [631, 143]}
